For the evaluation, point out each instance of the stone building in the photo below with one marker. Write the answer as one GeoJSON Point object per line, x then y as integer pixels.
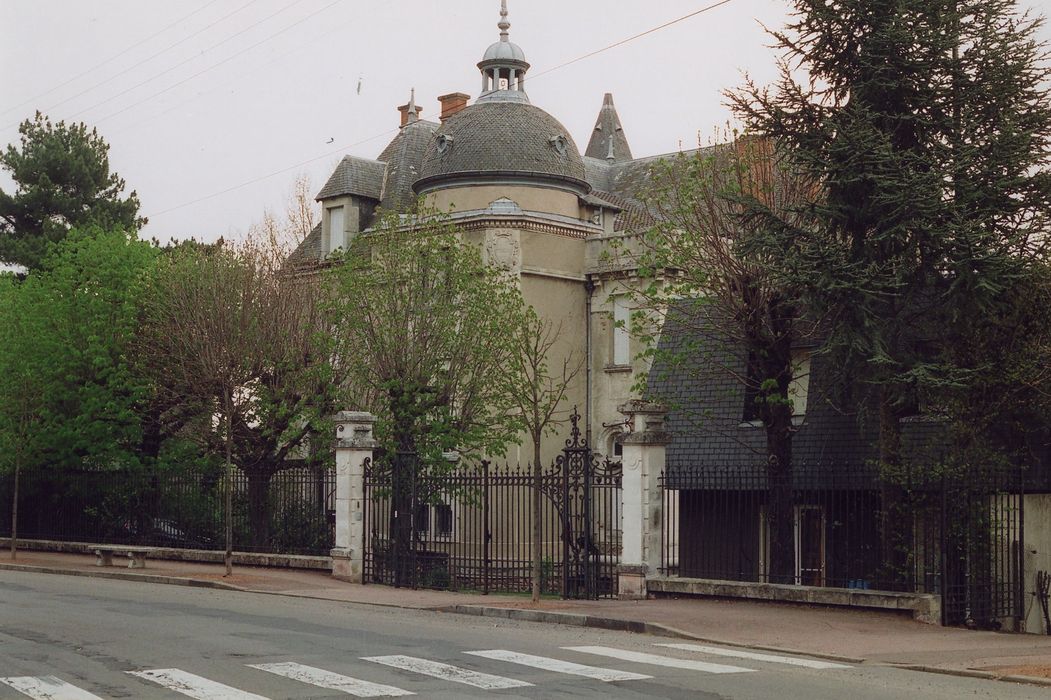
{"type": "Point", "coordinates": [513, 179]}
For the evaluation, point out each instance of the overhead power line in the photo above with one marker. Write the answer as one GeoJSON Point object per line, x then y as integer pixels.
{"type": "Point", "coordinates": [632, 38]}
{"type": "Point", "coordinates": [329, 154]}
{"type": "Point", "coordinates": [112, 58]}
{"type": "Point", "coordinates": [188, 60]}
{"type": "Point", "coordinates": [225, 60]}
{"type": "Point", "coordinates": [155, 55]}
{"type": "Point", "coordinates": [343, 148]}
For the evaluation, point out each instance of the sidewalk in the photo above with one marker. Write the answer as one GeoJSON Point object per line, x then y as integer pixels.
{"type": "Point", "coordinates": [855, 636]}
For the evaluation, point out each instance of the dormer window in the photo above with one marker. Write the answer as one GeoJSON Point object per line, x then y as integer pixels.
{"type": "Point", "coordinates": [337, 230]}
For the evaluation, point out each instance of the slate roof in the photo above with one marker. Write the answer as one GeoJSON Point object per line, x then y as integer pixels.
{"type": "Point", "coordinates": [355, 176]}
{"type": "Point", "coordinates": [404, 156]}
{"type": "Point", "coordinates": [308, 252]}
{"type": "Point", "coordinates": [706, 405]}
{"type": "Point", "coordinates": [608, 130]}
{"type": "Point", "coordinates": [502, 137]}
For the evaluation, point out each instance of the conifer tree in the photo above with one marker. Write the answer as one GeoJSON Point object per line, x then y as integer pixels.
{"type": "Point", "coordinates": [928, 121]}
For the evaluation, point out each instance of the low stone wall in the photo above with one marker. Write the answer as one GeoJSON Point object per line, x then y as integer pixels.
{"type": "Point", "coordinates": [280, 561]}
{"type": "Point", "coordinates": [923, 607]}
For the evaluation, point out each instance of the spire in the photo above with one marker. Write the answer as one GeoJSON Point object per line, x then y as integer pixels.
{"type": "Point", "coordinates": [413, 111]}
{"type": "Point", "coordinates": [608, 141]}
{"type": "Point", "coordinates": [503, 24]}
{"type": "Point", "coordinates": [410, 113]}
{"type": "Point", "coordinates": [504, 66]}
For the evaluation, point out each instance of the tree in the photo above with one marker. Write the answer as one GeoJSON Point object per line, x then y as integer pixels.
{"type": "Point", "coordinates": [727, 217]}
{"type": "Point", "coordinates": [298, 221]}
{"type": "Point", "coordinates": [226, 328]}
{"type": "Point", "coordinates": [22, 373]}
{"type": "Point", "coordinates": [62, 181]}
{"type": "Point", "coordinates": [927, 123]}
{"type": "Point", "coordinates": [68, 397]}
{"type": "Point", "coordinates": [538, 396]}
{"type": "Point", "coordinates": [424, 333]}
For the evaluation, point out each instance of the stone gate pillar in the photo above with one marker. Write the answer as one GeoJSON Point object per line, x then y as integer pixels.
{"type": "Point", "coordinates": [354, 444]}
{"type": "Point", "coordinates": [642, 505]}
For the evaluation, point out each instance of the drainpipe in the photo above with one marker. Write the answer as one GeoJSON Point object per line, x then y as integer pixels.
{"type": "Point", "coordinates": [589, 288]}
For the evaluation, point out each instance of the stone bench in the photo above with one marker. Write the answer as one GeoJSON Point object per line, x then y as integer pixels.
{"type": "Point", "coordinates": [136, 555]}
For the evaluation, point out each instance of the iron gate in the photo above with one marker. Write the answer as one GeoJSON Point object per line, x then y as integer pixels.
{"type": "Point", "coordinates": [469, 527]}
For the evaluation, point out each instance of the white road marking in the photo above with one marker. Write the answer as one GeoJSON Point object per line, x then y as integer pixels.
{"type": "Point", "coordinates": [741, 654]}
{"type": "Point", "coordinates": [332, 681]}
{"type": "Point", "coordinates": [195, 686]}
{"type": "Point", "coordinates": [447, 672]}
{"type": "Point", "coordinates": [559, 666]}
{"type": "Point", "coordinates": [47, 688]}
{"type": "Point", "coordinates": [658, 660]}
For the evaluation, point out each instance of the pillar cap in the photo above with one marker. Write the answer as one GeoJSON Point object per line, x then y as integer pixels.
{"type": "Point", "coordinates": [637, 406]}
{"type": "Point", "coordinates": [354, 430]}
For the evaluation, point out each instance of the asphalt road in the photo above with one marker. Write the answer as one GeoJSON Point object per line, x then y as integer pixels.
{"type": "Point", "coordinates": [82, 638]}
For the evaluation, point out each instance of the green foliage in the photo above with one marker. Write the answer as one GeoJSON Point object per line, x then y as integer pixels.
{"type": "Point", "coordinates": [63, 181]}
{"type": "Point", "coordinates": [69, 326]}
{"type": "Point", "coordinates": [928, 123]}
{"type": "Point", "coordinates": [423, 332]}
{"type": "Point", "coordinates": [221, 322]}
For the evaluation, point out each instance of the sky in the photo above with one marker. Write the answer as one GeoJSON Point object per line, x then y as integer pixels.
{"type": "Point", "coordinates": [212, 108]}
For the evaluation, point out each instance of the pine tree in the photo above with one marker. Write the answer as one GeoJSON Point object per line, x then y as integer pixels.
{"type": "Point", "coordinates": [928, 122]}
{"type": "Point", "coordinates": [63, 181]}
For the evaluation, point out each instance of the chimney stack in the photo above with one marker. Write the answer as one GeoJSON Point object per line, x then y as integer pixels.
{"type": "Point", "coordinates": [405, 110]}
{"type": "Point", "coordinates": [452, 103]}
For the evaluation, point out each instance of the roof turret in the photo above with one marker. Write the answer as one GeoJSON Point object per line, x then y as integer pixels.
{"type": "Point", "coordinates": [504, 66]}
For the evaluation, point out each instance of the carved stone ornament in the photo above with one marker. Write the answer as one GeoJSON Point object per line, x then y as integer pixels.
{"type": "Point", "coordinates": [503, 251]}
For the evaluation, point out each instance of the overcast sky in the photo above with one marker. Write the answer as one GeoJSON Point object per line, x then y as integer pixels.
{"type": "Point", "coordinates": [213, 107]}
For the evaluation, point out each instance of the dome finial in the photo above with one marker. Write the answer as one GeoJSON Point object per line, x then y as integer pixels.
{"type": "Point", "coordinates": [503, 24]}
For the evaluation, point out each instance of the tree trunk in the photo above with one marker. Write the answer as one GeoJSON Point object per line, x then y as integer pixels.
{"type": "Point", "coordinates": [228, 559]}
{"type": "Point", "coordinates": [895, 517]}
{"type": "Point", "coordinates": [780, 515]}
{"type": "Point", "coordinates": [537, 518]}
{"type": "Point", "coordinates": [259, 508]}
{"type": "Point", "coordinates": [14, 509]}
{"type": "Point", "coordinates": [402, 487]}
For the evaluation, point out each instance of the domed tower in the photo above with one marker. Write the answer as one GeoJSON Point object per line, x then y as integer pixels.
{"type": "Point", "coordinates": [514, 182]}
{"type": "Point", "coordinates": [504, 139]}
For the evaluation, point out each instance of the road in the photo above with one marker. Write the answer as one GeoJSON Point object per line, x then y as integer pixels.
{"type": "Point", "coordinates": [83, 638]}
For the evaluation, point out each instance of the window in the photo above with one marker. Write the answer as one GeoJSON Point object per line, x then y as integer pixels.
{"type": "Point", "coordinates": [336, 229]}
{"type": "Point", "coordinates": [433, 522]}
{"type": "Point", "coordinates": [798, 387]}
{"type": "Point", "coordinates": [621, 331]}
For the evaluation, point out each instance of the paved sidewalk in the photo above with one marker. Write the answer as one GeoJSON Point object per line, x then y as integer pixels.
{"type": "Point", "coordinates": [859, 636]}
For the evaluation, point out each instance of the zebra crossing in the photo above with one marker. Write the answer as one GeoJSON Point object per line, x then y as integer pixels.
{"type": "Point", "coordinates": [681, 658]}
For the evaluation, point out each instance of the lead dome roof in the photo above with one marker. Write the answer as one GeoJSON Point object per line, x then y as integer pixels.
{"type": "Point", "coordinates": [502, 140]}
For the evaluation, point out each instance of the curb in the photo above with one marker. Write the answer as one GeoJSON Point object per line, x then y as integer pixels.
{"type": "Point", "coordinates": [543, 616]}
{"type": "Point", "coordinates": [973, 673]}
{"type": "Point", "coordinates": [620, 625]}
{"type": "Point", "coordinates": [125, 576]}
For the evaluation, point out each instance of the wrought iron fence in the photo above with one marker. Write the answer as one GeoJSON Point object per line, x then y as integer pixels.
{"type": "Point", "coordinates": [963, 533]}
{"type": "Point", "coordinates": [472, 527]}
{"type": "Point", "coordinates": [291, 513]}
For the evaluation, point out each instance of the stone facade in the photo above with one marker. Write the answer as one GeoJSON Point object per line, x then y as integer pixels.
{"type": "Point", "coordinates": [513, 179]}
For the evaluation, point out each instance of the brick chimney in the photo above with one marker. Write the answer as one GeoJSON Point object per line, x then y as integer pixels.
{"type": "Point", "coordinates": [404, 109]}
{"type": "Point", "coordinates": [452, 103]}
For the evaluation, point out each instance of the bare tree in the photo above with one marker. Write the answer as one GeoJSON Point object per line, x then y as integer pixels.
{"type": "Point", "coordinates": [226, 327]}
{"type": "Point", "coordinates": [538, 393]}
{"type": "Point", "coordinates": [723, 213]}
{"type": "Point", "coordinates": [284, 233]}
